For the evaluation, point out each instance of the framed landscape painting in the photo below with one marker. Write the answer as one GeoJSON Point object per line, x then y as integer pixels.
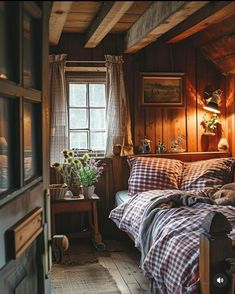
{"type": "Point", "coordinates": [162, 89]}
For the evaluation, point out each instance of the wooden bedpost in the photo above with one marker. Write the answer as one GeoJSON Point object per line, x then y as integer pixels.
{"type": "Point", "coordinates": [216, 266]}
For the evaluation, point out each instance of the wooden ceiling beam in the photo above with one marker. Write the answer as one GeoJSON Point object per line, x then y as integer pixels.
{"type": "Point", "coordinates": [212, 13]}
{"type": "Point", "coordinates": [58, 17]}
{"type": "Point", "coordinates": [159, 18]}
{"type": "Point", "coordinates": [110, 13]}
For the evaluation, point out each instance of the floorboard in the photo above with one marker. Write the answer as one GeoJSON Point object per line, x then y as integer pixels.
{"type": "Point", "coordinates": [121, 260]}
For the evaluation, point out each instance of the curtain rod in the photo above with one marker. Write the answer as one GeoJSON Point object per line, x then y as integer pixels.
{"type": "Point", "coordinates": [82, 61]}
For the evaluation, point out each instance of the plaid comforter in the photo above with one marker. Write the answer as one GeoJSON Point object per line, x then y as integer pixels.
{"type": "Point", "coordinates": [170, 257]}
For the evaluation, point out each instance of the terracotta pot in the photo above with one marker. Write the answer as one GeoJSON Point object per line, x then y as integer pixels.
{"type": "Point", "coordinates": [75, 189]}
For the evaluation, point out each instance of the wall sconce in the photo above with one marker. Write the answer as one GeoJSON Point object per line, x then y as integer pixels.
{"type": "Point", "coordinates": [212, 101]}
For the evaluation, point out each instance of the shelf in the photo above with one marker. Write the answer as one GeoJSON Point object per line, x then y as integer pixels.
{"type": "Point", "coordinates": [181, 153]}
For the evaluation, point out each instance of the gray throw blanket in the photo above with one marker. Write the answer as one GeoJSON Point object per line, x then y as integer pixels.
{"type": "Point", "coordinates": [164, 199]}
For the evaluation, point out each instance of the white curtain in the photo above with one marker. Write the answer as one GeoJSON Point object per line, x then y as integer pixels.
{"type": "Point", "coordinates": [59, 109]}
{"type": "Point", "coordinates": [118, 113]}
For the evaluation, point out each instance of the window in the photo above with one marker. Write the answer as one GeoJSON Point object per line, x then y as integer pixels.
{"type": "Point", "coordinates": [87, 111]}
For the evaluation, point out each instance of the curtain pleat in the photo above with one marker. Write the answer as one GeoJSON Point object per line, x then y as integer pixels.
{"type": "Point", "coordinates": [117, 112]}
{"type": "Point", "coordinates": [59, 109]}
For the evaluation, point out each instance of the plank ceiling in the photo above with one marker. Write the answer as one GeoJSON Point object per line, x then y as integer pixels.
{"type": "Point", "coordinates": [82, 13]}
{"type": "Point", "coordinates": [210, 25]}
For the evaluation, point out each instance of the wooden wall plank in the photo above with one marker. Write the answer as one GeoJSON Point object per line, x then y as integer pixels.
{"type": "Point", "coordinates": [150, 116]}
{"type": "Point", "coordinates": [191, 100]}
{"type": "Point", "coordinates": [201, 76]}
{"type": "Point", "coordinates": [159, 126]}
{"type": "Point", "coordinates": [174, 126]}
{"type": "Point", "coordinates": [230, 112]}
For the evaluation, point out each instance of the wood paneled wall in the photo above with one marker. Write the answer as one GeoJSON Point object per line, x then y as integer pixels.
{"type": "Point", "coordinates": [166, 124]}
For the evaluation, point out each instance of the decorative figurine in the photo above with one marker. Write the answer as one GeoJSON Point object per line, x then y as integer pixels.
{"type": "Point", "coordinates": [223, 145]}
{"type": "Point", "coordinates": [146, 146]}
{"type": "Point", "coordinates": [161, 148]}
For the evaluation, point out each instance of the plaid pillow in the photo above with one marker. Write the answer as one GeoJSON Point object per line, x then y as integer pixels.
{"type": "Point", "coordinates": [207, 173]}
{"type": "Point", "coordinates": [153, 174]}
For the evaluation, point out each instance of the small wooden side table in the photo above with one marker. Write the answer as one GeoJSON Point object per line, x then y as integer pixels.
{"type": "Point", "coordinates": [76, 204]}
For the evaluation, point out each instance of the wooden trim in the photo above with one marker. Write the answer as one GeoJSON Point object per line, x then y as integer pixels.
{"type": "Point", "coordinates": [13, 194]}
{"type": "Point", "coordinates": [159, 18]}
{"type": "Point", "coordinates": [85, 69]}
{"type": "Point", "coordinates": [59, 13]}
{"type": "Point", "coordinates": [12, 89]}
{"type": "Point", "coordinates": [108, 16]}
{"type": "Point", "coordinates": [22, 234]}
{"type": "Point", "coordinates": [194, 154]}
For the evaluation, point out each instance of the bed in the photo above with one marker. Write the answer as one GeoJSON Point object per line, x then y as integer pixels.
{"type": "Point", "coordinates": [178, 215]}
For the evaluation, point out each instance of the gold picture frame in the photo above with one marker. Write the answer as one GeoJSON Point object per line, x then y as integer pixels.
{"type": "Point", "coordinates": [162, 89]}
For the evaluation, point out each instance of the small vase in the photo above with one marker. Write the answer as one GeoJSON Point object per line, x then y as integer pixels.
{"type": "Point", "coordinates": [88, 192]}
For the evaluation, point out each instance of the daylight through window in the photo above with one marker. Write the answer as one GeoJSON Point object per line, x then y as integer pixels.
{"type": "Point", "coordinates": [87, 123]}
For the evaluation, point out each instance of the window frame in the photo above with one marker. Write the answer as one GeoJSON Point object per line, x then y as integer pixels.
{"type": "Point", "coordinates": [82, 78]}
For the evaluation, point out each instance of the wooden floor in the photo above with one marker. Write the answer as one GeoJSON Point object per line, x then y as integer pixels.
{"type": "Point", "coordinates": [122, 260]}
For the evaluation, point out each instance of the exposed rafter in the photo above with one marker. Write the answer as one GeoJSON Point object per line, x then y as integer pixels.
{"type": "Point", "coordinates": [58, 17]}
{"type": "Point", "coordinates": [213, 12]}
{"type": "Point", "coordinates": [109, 15]}
{"type": "Point", "coordinates": [159, 18]}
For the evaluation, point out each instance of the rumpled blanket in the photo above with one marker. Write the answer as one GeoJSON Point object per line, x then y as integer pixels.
{"type": "Point", "coordinates": [168, 238]}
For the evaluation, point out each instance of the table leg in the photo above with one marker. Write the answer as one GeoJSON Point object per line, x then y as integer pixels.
{"type": "Point", "coordinates": [96, 234]}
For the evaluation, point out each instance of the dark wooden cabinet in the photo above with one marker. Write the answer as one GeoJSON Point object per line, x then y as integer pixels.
{"type": "Point", "coordinates": [24, 129]}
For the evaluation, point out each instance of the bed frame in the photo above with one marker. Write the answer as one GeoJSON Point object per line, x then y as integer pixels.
{"type": "Point", "coordinates": [217, 250]}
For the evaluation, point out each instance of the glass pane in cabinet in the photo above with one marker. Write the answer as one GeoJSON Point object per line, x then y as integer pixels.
{"type": "Point", "coordinates": [9, 59]}
{"type": "Point", "coordinates": [31, 73]}
{"type": "Point", "coordinates": [30, 141]}
{"type": "Point", "coordinates": [4, 155]}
